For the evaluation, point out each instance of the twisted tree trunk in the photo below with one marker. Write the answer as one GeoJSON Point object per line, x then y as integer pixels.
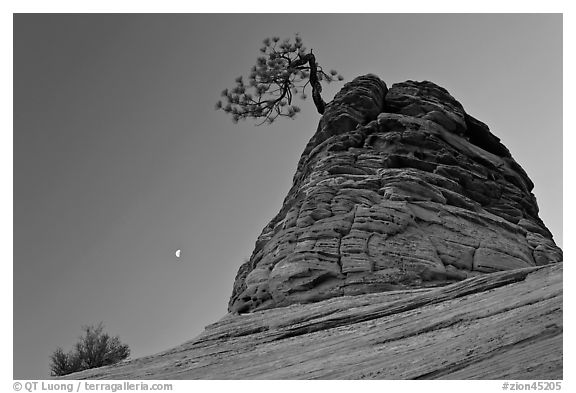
{"type": "Point", "coordinates": [314, 81]}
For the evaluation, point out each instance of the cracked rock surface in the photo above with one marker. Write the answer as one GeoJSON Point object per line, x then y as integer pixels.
{"type": "Point", "coordinates": [399, 188]}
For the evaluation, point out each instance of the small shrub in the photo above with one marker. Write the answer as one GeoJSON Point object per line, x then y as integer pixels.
{"type": "Point", "coordinates": [94, 349]}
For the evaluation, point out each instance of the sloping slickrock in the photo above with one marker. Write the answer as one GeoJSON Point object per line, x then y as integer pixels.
{"type": "Point", "coordinates": [399, 188]}
{"type": "Point", "coordinates": [503, 325]}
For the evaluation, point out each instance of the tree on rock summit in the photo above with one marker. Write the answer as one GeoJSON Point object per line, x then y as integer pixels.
{"type": "Point", "coordinates": [285, 69]}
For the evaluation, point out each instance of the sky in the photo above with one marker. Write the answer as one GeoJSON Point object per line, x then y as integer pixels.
{"type": "Point", "coordinates": [120, 159]}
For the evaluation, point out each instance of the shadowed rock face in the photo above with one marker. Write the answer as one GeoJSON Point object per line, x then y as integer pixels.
{"type": "Point", "coordinates": [399, 188]}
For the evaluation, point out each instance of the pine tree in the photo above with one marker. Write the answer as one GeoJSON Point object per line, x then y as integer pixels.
{"type": "Point", "coordinates": [284, 69]}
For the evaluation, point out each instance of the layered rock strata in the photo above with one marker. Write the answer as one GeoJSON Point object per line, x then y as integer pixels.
{"type": "Point", "coordinates": [399, 188]}
{"type": "Point", "coordinates": [505, 325]}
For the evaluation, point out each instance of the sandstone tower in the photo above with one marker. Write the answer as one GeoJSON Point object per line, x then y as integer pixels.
{"type": "Point", "coordinates": [398, 188]}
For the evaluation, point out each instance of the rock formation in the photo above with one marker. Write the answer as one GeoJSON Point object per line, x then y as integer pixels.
{"type": "Point", "coordinates": [409, 247]}
{"type": "Point", "coordinates": [399, 188]}
{"type": "Point", "coordinates": [505, 325]}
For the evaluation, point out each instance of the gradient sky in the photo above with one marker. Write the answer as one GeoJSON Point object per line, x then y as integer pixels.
{"type": "Point", "coordinates": [120, 158]}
